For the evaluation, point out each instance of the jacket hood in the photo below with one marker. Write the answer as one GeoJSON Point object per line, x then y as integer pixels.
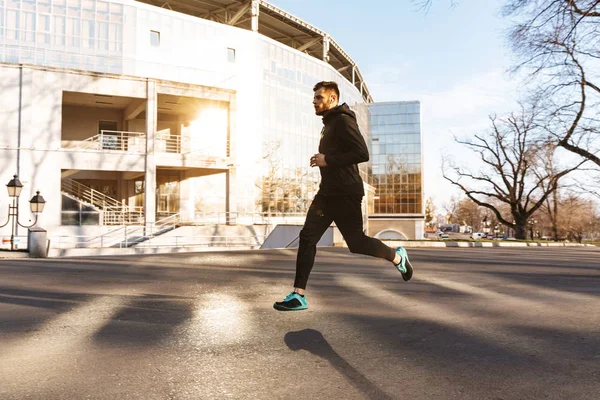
{"type": "Point", "coordinates": [341, 109]}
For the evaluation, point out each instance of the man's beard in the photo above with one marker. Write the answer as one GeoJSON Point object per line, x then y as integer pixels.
{"type": "Point", "coordinates": [321, 111]}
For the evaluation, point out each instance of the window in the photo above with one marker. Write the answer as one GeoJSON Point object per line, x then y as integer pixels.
{"type": "Point", "coordinates": [59, 30]}
{"type": "Point", "coordinates": [109, 138]}
{"type": "Point", "coordinates": [88, 34]}
{"type": "Point", "coordinates": [102, 35]}
{"type": "Point", "coordinates": [231, 55]}
{"type": "Point", "coordinates": [154, 38]}
{"type": "Point", "coordinates": [74, 32]}
{"type": "Point", "coordinates": [12, 24]}
{"type": "Point", "coordinates": [28, 26]}
{"type": "Point", "coordinates": [107, 126]}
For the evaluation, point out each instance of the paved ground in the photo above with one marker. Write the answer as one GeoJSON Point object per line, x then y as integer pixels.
{"type": "Point", "coordinates": [499, 323]}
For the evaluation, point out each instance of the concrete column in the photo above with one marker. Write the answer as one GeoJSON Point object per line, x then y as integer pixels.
{"type": "Point", "coordinates": [326, 48]}
{"type": "Point", "coordinates": [230, 203]}
{"type": "Point", "coordinates": [186, 198]}
{"type": "Point", "coordinates": [354, 75]}
{"type": "Point", "coordinates": [255, 8]}
{"type": "Point", "coordinates": [150, 177]}
{"type": "Point", "coordinates": [230, 178]}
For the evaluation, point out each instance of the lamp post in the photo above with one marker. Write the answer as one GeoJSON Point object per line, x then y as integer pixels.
{"type": "Point", "coordinates": [37, 203]}
{"type": "Point", "coordinates": [532, 223]}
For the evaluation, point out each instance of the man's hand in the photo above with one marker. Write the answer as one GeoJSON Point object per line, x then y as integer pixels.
{"type": "Point", "coordinates": [318, 160]}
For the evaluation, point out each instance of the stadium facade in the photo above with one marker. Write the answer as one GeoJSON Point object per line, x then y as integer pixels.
{"type": "Point", "coordinates": [126, 113]}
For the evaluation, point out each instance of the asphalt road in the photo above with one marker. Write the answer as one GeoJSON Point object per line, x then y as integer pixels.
{"type": "Point", "coordinates": [483, 323]}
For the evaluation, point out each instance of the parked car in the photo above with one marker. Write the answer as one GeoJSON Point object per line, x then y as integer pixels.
{"type": "Point", "coordinates": [478, 235]}
{"type": "Point", "coordinates": [442, 235]}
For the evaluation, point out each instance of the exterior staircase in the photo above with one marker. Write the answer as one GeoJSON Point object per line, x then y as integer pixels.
{"type": "Point", "coordinates": [131, 230]}
{"type": "Point", "coordinates": [132, 236]}
{"type": "Point", "coordinates": [112, 211]}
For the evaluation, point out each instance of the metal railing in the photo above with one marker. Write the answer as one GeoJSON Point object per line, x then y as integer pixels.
{"type": "Point", "coordinates": [126, 236]}
{"type": "Point", "coordinates": [248, 218]}
{"type": "Point", "coordinates": [88, 195]}
{"type": "Point", "coordinates": [182, 144]}
{"type": "Point", "coordinates": [218, 151]}
{"type": "Point", "coordinates": [133, 142]}
{"type": "Point", "coordinates": [111, 211]}
{"type": "Point", "coordinates": [123, 215]}
{"type": "Point", "coordinates": [204, 241]}
{"type": "Point", "coordinates": [80, 241]}
{"type": "Point", "coordinates": [170, 143]}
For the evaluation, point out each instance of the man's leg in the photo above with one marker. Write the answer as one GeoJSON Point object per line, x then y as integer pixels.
{"type": "Point", "coordinates": [318, 219]}
{"type": "Point", "coordinates": [348, 218]}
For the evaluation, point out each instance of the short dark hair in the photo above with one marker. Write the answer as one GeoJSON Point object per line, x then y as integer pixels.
{"type": "Point", "coordinates": [328, 85]}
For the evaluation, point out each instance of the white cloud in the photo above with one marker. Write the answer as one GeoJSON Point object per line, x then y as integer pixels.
{"type": "Point", "coordinates": [461, 109]}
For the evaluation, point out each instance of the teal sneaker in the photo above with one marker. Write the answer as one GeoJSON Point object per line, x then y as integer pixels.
{"type": "Point", "coordinates": [292, 302]}
{"type": "Point", "coordinates": [405, 267]}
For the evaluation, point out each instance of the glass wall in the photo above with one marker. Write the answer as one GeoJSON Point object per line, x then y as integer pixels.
{"type": "Point", "coordinates": [77, 34]}
{"type": "Point", "coordinates": [291, 129]}
{"type": "Point", "coordinates": [395, 143]}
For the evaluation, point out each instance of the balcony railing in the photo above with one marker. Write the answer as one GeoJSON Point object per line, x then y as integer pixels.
{"type": "Point", "coordinates": [167, 143]}
{"type": "Point", "coordinates": [133, 142]}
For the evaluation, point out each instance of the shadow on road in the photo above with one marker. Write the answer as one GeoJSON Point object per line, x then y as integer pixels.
{"type": "Point", "coordinates": [145, 320]}
{"type": "Point", "coordinates": [314, 342]}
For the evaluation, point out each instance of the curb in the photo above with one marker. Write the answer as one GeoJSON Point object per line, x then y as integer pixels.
{"type": "Point", "coordinates": [59, 253]}
{"type": "Point", "coordinates": [394, 243]}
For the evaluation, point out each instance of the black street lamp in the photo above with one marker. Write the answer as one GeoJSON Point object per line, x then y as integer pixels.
{"type": "Point", "coordinates": [37, 203]}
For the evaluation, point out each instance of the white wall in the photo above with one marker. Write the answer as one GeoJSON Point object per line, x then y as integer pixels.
{"type": "Point", "coordinates": [80, 123]}
{"type": "Point", "coordinates": [192, 51]}
{"type": "Point", "coordinates": [41, 157]}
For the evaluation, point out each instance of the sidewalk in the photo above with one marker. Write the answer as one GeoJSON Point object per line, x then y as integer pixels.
{"type": "Point", "coordinates": [110, 251]}
{"type": "Point", "coordinates": [450, 243]}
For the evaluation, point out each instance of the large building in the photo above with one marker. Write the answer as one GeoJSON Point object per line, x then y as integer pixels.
{"type": "Point", "coordinates": [396, 165]}
{"type": "Point", "coordinates": [127, 113]}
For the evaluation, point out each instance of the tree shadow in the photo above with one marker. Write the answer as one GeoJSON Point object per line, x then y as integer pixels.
{"type": "Point", "coordinates": [313, 341]}
{"type": "Point", "coordinates": [145, 320]}
{"type": "Point", "coordinates": [40, 305]}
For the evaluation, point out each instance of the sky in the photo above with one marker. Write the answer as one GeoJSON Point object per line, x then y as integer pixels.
{"type": "Point", "coordinates": [452, 59]}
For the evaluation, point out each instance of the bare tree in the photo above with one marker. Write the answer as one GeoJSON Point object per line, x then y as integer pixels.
{"type": "Point", "coordinates": [450, 207]}
{"type": "Point", "coordinates": [267, 184]}
{"type": "Point", "coordinates": [548, 167]}
{"type": "Point", "coordinates": [284, 190]}
{"type": "Point", "coordinates": [425, 5]}
{"type": "Point", "coordinates": [510, 154]}
{"type": "Point", "coordinates": [579, 219]}
{"type": "Point", "coordinates": [590, 186]}
{"type": "Point", "coordinates": [429, 213]}
{"type": "Point", "coordinates": [469, 213]}
{"type": "Point", "coordinates": [558, 45]}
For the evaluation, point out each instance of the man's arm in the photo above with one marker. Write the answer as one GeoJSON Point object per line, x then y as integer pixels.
{"type": "Point", "coordinates": [357, 151]}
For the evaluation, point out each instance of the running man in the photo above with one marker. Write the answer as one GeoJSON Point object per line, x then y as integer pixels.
{"type": "Point", "coordinates": [341, 149]}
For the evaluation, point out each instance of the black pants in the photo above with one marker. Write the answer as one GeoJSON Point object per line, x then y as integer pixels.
{"type": "Point", "coordinates": [346, 212]}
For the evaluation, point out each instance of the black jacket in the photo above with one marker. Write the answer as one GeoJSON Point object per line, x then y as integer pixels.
{"type": "Point", "coordinates": [344, 148]}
